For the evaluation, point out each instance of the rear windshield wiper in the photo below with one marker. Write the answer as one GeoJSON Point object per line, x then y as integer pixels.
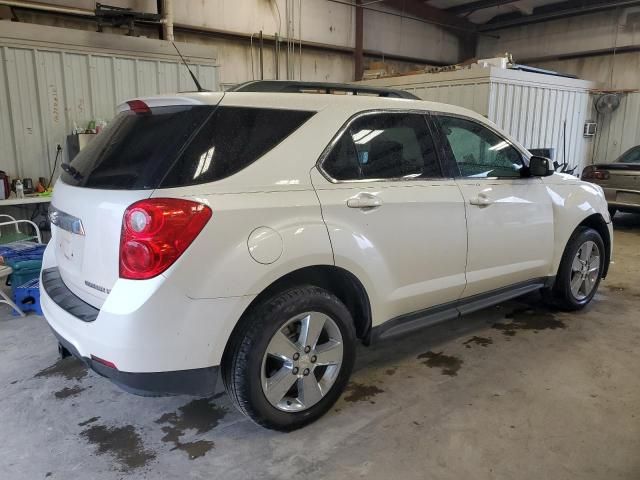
{"type": "Point", "coordinates": [71, 171]}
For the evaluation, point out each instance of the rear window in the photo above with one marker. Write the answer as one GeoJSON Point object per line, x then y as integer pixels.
{"type": "Point", "coordinates": [180, 145]}
{"type": "Point", "coordinates": [630, 156]}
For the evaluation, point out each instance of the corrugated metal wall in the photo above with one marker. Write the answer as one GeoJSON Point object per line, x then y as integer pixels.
{"type": "Point", "coordinates": [43, 92]}
{"type": "Point", "coordinates": [536, 116]}
{"type": "Point", "coordinates": [619, 130]}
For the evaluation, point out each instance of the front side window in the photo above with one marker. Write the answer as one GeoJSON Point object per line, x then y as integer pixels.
{"type": "Point", "coordinates": [384, 146]}
{"type": "Point", "coordinates": [478, 151]}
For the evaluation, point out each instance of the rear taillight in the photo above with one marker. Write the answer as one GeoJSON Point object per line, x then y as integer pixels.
{"type": "Point", "coordinates": [592, 173]}
{"type": "Point", "coordinates": [138, 106]}
{"type": "Point", "coordinates": [155, 232]}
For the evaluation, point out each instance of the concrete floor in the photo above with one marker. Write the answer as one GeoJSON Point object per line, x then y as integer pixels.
{"type": "Point", "coordinates": [515, 391]}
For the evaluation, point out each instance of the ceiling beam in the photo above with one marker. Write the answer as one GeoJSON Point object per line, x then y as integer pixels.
{"type": "Point", "coordinates": [556, 11]}
{"type": "Point", "coordinates": [431, 14]}
{"type": "Point", "coordinates": [478, 5]}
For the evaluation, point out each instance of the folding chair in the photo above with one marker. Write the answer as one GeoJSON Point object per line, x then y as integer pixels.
{"type": "Point", "coordinates": [14, 237]}
{"type": "Point", "coordinates": [5, 271]}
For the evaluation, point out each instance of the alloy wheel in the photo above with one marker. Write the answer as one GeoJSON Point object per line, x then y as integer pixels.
{"type": "Point", "coordinates": [585, 270]}
{"type": "Point", "coordinates": [302, 362]}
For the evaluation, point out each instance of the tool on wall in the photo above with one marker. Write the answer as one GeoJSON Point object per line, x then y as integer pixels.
{"type": "Point", "coordinates": [119, 16]}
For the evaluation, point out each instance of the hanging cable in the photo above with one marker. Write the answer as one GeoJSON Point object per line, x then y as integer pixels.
{"type": "Point", "coordinates": [300, 37]}
{"type": "Point", "coordinates": [615, 47]}
{"type": "Point", "coordinates": [253, 75]}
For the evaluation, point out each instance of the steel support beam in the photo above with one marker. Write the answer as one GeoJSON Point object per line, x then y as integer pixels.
{"type": "Point", "coordinates": [358, 54]}
{"type": "Point", "coordinates": [553, 12]}
{"type": "Point", "coordinates": [478, 5]}
{"type": "Point", "coordinates": [431, 14]}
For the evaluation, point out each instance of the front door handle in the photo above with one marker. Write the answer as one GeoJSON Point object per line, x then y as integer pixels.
{"type": "Point", "coordinates": [482, 200]}
{"type": "Point", "coordinates": [364, 200]}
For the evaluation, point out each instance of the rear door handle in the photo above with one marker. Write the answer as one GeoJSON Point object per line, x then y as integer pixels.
{"type": "Point", "coordinates": [364, 200]}
{"type": "Point", "coordinates": [482, 200]}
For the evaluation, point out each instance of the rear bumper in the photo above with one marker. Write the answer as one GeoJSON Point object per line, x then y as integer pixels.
{"type": "Point", "coordinates": [623, 199]}
{"type": "Point", "coordinates": [148, 329]}
{"type": "Point", "coordinates": [198, 381]}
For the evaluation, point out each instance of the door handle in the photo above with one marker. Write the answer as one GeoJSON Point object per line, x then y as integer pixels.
{"type": "Point", "coordinates": [364, 200]}
{"type": "Point", "coordinates": [482, 200]}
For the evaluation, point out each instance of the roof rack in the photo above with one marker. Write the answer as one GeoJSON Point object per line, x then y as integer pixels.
{"type": "Point", "coordinates": [288, 86]}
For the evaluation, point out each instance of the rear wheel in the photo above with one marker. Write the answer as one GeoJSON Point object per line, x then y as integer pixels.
{"type": "Point", "coordinates": [291, 358]}
{"type": "Point", "coordinates": [580, 269]}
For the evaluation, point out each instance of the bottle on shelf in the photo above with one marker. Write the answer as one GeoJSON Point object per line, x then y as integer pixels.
{"type": "Point", "coordinates": [19, 189]}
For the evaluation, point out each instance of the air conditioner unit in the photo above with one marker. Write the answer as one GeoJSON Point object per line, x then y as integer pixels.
{"type": "Point", "coordinates": [590, 129]}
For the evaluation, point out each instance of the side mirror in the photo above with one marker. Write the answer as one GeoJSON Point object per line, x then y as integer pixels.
{"type": "Point", "coordinates": [540, 167]}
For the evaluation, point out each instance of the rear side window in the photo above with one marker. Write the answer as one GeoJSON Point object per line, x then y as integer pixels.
{"type": "Point", "coordinates": [384, 146]}
{"type": "Point", "coordinates": [179, 145]}
{"type": "Point", "coordinates": [230, 140]}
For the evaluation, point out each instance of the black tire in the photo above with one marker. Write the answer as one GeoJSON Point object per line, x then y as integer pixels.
{"type": "Point", "coordinates": [562, 295]}
{"type": "Point", "coordinates": [612, 212]}
{"type": "Point", "coordinates": [242, 363]}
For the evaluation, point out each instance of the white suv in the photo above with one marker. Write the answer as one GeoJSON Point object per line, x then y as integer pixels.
{"type": "Point", "coordinates": [262, 235]}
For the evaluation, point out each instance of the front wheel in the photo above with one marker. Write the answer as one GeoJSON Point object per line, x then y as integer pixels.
{"type": "Point", "coordinates": [580, 269]}
{"type": "Point", "coordinates": [291, 358]}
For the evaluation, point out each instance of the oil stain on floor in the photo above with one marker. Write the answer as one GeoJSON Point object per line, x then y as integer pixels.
{"type": "Point", "coordinates": [201, 415]}
{"type": "Point", "coordinates": [622, 289]}
{"type": "Point", "coordinates": [448, 364]}
{"type": "Point", "coordinates": [69, 368]}
{"type": "Point", "coordinates": [67, 392]}
{"type": "Point", "coordinates": [87, 422]}
{"type": "Point", "coordinates": [528, 318]}
{"type": "Point", "coordinates": [124, 443]}
{"type": "Point", "coordinates": [358, 392]}
{"type": "Point", "coordinates": [480, 341]}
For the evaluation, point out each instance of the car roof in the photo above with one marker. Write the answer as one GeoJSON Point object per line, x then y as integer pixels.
{"type": "Point", "coordinates": [303, 101]}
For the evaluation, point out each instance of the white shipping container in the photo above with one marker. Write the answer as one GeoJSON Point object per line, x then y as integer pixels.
{"type": "Point", "coordinates": [532, 107]}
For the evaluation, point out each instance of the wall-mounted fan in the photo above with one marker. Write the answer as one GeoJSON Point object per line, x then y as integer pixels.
{"type": "Point", "coordinates": [607, 103]}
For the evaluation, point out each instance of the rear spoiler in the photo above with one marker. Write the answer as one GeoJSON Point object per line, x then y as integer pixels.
{"type": "Point", "coordinates": [170, 101]}
{"type": "Point", "coordinates": [286, 86]}
{"type": "Point", "coordinates": [617, 166]}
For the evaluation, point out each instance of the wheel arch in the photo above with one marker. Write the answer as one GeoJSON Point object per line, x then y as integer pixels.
{"type": "Point", "coordinates": [597, 222]}
{"type": "Point", "coordinates": [339, 281]}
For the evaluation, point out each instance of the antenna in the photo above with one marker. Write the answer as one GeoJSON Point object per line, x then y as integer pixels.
{"type": "Point", "coordinates": [195, 80]}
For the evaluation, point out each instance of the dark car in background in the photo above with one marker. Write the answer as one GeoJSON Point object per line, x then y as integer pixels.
{"type": "Point", "coordinates": [620, 181]}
